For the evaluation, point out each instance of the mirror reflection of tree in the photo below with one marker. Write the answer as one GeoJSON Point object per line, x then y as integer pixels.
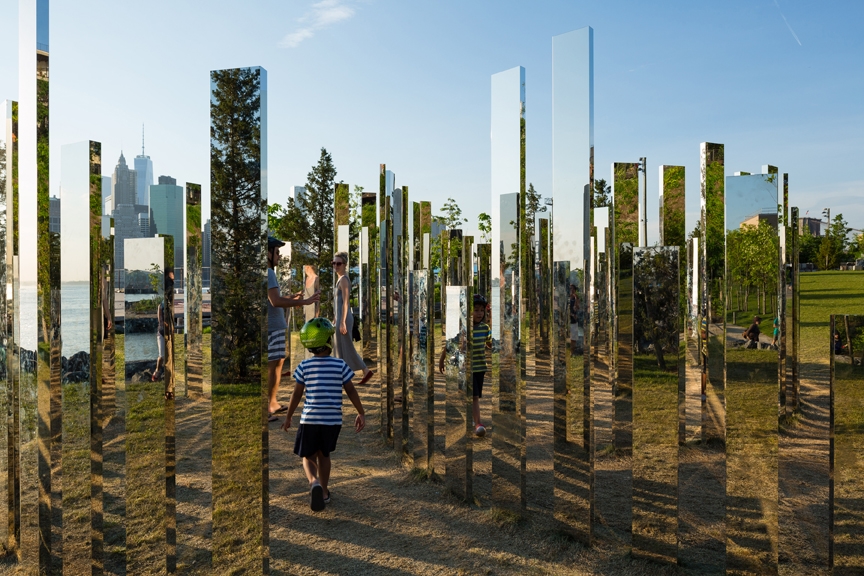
{"type": "Point", "coordinates": [237, 208]}
{"type": "Point", "coordinates": [655, 313]}
{"type": "Point", "coordinates": [752, 262]}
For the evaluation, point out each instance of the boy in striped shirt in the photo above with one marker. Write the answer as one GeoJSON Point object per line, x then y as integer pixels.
{"type": "Point", "coordinates": [323, 378]}
{"type": "Point", "coordinates": [480, 341]}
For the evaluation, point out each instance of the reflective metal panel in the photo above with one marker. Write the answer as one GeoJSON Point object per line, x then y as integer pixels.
{"type": "Point", "coordinates": [401, 281]}
{"type": "Point", "coordinates": [238, 167]}
{"type": "Point", "coordinates": [384, 301]}
{"type": "Point", "coordinates": [846, 488]}
{"type": "Point", "coordinates": [422, 326]}
{"type": "Point", "coordinates": [625, 231]}
{"type": "Point", "coordinates": [82, 321]}
{"type": "Point", "coordinates": [712, 305]}
{"type": "Point", "coordinates": [11, 319]}
{"type": "Point", "coordinates": [752, 361]}
{"type": "Point", "coordinates": [793, 393]}
{"type": "Point", "coordinates": [508, 462]}
{"type": "Point", "coordinates": [194, 378]}
{"type": "Point", "coordinates": [368, 275]}
{"type": "Point", "coordinates": [457, 448]}
{"type": "Point", "coordinates": [656, 358]}
{"type": "Point", "coordinates": [145, 353]}
{"type": "Point", "coordinates": [572, 185]}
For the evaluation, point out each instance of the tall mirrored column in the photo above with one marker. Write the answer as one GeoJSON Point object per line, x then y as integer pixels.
{"type": "Point", "coordinates": [402, 307]}
{"type": "Point", "coordinates": [41, 543]}
{"type": "Point", "coordinates": [672, 233]}
{"type": "Point", "coordinates": [572, 191]}
{"type": "Point", "coordinates": [508, 437]}
{"type": "Point", "coordinates": [423, 363]}
{"type": "Point", "coordinates": [145, 353]}
{"type": "Point", "coordinates": [82, 322]}
{"type": "Point", "coordinates": [794, 322]}
{"type": "Point", "coordinates": [368, 275]}
{"type": "Point", "coordinates": [11, 320]}
{"type": "Point", "coordinates": [192, 293]}
{"type": "Point", "coordinates": [846, 488]}
{"type": "Point", "coordinates": [384, 306]}
{"type": "Point", "coordinates": [238, 162]}
{"type": "Point", "coordinates": [752, 360]}
{"type": "Point", "coordinates": [702, 467]}
{"type": "Point", "coordinates": [625, 231]}
{"type": "Point", "coordinates": [457, 371]}
{"type": "Point", "coordinates": [656, 361]}
{"type": "Point", "coordinates": [508, 232]}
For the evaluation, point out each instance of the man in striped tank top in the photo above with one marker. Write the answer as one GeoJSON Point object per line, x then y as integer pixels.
{"type": "Point", "coordinates": [323, 378]}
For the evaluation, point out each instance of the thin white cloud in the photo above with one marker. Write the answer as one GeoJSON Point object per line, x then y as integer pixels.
{"type": "Point", "coordinates": [787, 23]}
{"type": "Point", "coordinates": [320, 15]}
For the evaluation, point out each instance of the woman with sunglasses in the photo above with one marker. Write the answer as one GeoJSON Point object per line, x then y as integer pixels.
{"type": "Point", "coordinates": [343, 345]}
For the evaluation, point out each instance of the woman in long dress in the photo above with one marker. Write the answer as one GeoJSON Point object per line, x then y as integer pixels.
{"type": "Point", "coordinates": [343, 345]}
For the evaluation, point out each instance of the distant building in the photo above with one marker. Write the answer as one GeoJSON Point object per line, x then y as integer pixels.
{"type": "Point", "coordinates": [163, 180]}
{"type": "Point", "coordinates": [54, 214]}
{"type": "Point", "coordinates": [144, 172]}
{"type": "Point", "coordinates": [813, 225]}
{"type": "Point", "coordinates": [126, 224]}
{"type": "Point", "coordinates": [123, 183]}
{"type": "Point", "coordinates": [144, 225]}
{"type": "Point", "coordinates": [166, 215]}
{"type": "Point", "coordinates": [753, 221]}
{"type": "Point", "coordinates": [298, 193]}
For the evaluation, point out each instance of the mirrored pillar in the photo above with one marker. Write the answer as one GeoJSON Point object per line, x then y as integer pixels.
{"type": "Point", "coordinates": [572, 191]}
{"type": "Point", "coordinates": [145, 353]}
{"type": "Point", "coordinates": [625, 233]}
{"type": "Point", "coordinates": [81, 231]}
{"type": "Point", "coordinates": [402, 308]}
{"type": "Point", "coordinates": [12, 322]}
{"type": "Point", "coordinates": [238, 161]}
{"type": "Point", "coordinates": [846, 484]}
{"type": "Point", "coordinates": [457, 369]}
{"type": "Point", "coordinates": [192, 293]}
{"type": "Point", "coordinates": [368, 275]}
{"type": "Point", "coordinates": [656, 362]}
{"type": "Point", "coordinates": [752, 361]}
{"type": "Point", "coordinates": [384, 306]}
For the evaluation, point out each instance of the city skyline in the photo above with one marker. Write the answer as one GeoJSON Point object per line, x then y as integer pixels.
{"type": "Point", "coordinates": [770, 96]}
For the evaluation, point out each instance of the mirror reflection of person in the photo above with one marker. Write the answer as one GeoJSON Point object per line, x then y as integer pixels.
{"type": "Point", "coordinates": [165, 323]}
{"type": "Point", "coordinates": [752, 333]}
{"type": "Point", "coordinates": [311, 285]}
{"type": "Point", "coordinates": [839, 347]}
{"type": "Point", "coordinates": [343, 343]}
{"type": "Point", "coordinates": [277, 326]}
{"type": "Point", "coordinates": [577, 321]}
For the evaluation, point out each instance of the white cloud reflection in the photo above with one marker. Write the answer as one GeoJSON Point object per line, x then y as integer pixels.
{"type": "Point", "coordinates": [320, 15]}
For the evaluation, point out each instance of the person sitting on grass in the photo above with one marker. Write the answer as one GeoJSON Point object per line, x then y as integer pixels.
{"type": "Point", "coordinates": [322, 377]}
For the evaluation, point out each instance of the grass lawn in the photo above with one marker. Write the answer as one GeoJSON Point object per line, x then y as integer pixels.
{"type": "Point", "coordinates": [823, 294]}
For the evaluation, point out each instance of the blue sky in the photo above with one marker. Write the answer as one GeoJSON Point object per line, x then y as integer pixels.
{"type": "Point", "coordinates": [408, 84]}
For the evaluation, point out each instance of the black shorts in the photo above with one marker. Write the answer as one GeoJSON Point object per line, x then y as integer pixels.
{"type": "Point", "coordinates": [312, 438]}
{"type": "Point", "coordinates": [478, 384]}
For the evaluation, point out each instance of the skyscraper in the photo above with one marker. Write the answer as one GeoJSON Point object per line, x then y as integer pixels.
{"type": "Point", "coordinates": [54, 214]}
{"type": "Point", "coordinates": [126, 224]}
{"type": "Point", "coordinates": [144, 171]}
{"type": "Point", "coordinates": [166, 213]}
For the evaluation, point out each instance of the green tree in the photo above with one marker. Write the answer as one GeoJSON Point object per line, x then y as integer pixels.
{"type": "Point", "coordinates": [315, 243]}
{"type": "Point", "coordinates": [237, 208]}
{"type": "Point", "coordinates": [451, 219]}
{"type": "Point", "coordinates": [484, 226]}
{"type": "Point", "coordinates": [602, 194]}
{"type": "Point", "coordinates": [533, 200]}
{"type": "Point", "coordinates": [808, 246]}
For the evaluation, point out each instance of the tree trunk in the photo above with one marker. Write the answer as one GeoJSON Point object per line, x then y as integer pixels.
{"type": "Point", "coordinates": [848, 336]}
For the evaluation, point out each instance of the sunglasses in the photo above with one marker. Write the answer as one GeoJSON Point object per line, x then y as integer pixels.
{"type": "Point", "coordinates": [336, 263]}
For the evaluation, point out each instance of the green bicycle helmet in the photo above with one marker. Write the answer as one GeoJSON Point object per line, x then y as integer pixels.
{"type": "Point", "coordinates": [316, 333]}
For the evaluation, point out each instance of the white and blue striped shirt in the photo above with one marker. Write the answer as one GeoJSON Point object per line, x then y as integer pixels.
{"type": "Point", "coordinates": [323, 377]}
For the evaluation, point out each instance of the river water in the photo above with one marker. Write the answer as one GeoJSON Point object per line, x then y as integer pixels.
{"type": "Point", "coordinates": [75, 323]}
